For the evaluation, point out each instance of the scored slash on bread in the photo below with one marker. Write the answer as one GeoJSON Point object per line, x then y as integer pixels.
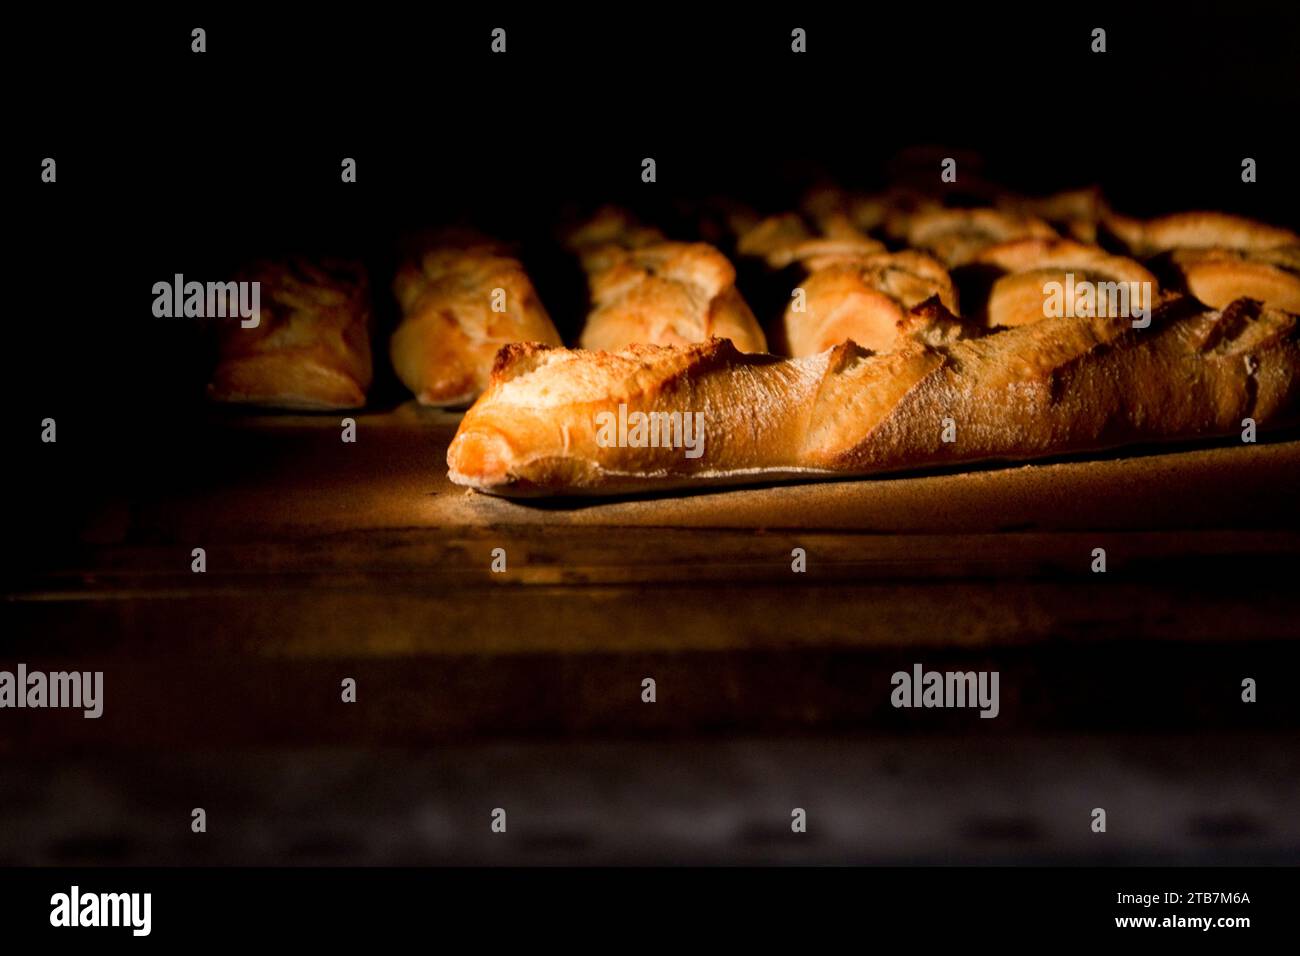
{"type": "Point", "coordinates": [1056, 386]}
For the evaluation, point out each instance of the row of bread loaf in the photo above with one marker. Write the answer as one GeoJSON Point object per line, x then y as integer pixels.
{"type": "Point", "coordinates": [857, 267]}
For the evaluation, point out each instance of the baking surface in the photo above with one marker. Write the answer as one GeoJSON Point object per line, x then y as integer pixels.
{"type": "Point", "coordinates": [325, 558]}
{"type": "Point", "coordinates": [265, 477]}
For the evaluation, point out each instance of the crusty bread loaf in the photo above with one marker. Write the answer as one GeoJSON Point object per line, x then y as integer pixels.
{"type": "Point", "coordinates": [1219, 257]}
{"type": "Point", "coordinates": [955, 236]}
{"type": "Point", "coordinates": [864, 299]}
{"type": "Point", "coordinates": [1056, 386]}
{"type": "Point", "coordinates": [1076, 212]}
{"type": "Point", "coordinates": [598, 240]}
{"type": "Point", "coordinates": [786, 239]}
{"type": "Point", "coordinates": [459, 306]}
{"type": "Point", "coordinates": [1219, 276]}
{"type": "Point", "coordinates": [1197, 230]}
{"type": "Point", "coordinates": [310, 348]}
{"type": "Point", "coordinates": [1025, 268]}
{"type": "Point", "coordinates": [668, 293]}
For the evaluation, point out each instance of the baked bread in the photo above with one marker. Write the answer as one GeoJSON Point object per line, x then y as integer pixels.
{"type": "Point", "coordinates": [866, 300]}
{"type": "Point", "coordinates": [598, 240]}
{"type": "Point", "coordinates": [955, 236]}
{"type": "Point", "coordinates": [1219, 257]}
{"type": "Point", "coordinates": [459, 307]}
{"type": "Point", "coordinates": [1219, 276]}
{"type": "Point", "coordinates": [890, 213]}
{"type": "Point", "coordinates": [832, 211]}
{"type": "Point", "coordinates": [577, 423]}
{"type": "Point", "coordinates": [1024, 269]}
{"type": "Point", "coordinates": [668, 293]}
{"type": "Point", "coordinates": [1197, 230]}
{"type": "Point", "coordinates": [310, 349]}
{"type": "Point", "coordinates": [1076, 213]}
{"type": "Point", "coordinates": [786, 239]}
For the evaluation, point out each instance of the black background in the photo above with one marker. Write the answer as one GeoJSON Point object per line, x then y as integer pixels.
{"type": "Point", "coordinates": [170, 161]}
{"type": "Point", "coordinates": [647, 910]}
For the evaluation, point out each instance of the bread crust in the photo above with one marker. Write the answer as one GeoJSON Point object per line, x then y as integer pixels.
{"type": "Point", "coordinates": [311, 347]}
{"type": "Point", "coordinates": [1197, 230]}
{"type": "Point", "coordinates": [956, 236]}
{"type": "Point", "coordinates": [1220, 257]}
{"type": "Point", "coordinates": [668, 293]}
{"type": "Point", "coordinates": [598, 240]}
{"type": "Point", "coordinates": [1053, 387]}
{"type": "Point", "coordinates": [785, 239]}
{"type": "Point", "coordinates": [1026, 266]}
{"type": "Point", "coordinates": [1076, 213]}
{"type": "Point", "coordinates": [450, 332]}
{"type": "Point", "coordinates": [865, 299]}
{"type": "Point", "coordinates": [1219, 276]}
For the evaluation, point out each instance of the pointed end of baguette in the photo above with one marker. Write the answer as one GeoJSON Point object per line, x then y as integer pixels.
{"type": "Point", "coordinates": [479, 459]}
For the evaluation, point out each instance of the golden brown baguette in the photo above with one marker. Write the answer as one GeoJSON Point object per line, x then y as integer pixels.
{"type": "Point", "coordinates": [552, 420]}
{"type": "Point", "coordinates": [1220, 257]}
{"type": "Point", "coordinates": [459, 306]}
{"type": "Point", "coordinates": [598, 240]}
{"type": "Point", "coordinates": [1076, 212]}
{"type": "Point", "coordinates": [1219, 276]}
{"type": "Point", "coordinates": [1025, 268]}
{"type": "Point", "coordinates": [955, 236]}
{"type": "Point", "coordinates": [785, 239]}
{"type": "Point", "coordinates": [1197, 230]}
{"type": "Point", "coordinates": [310, 348]}
{"type": "Point", "coordinates": [668, 293]}
{"type": "Point", "coordinates": [865, 300]}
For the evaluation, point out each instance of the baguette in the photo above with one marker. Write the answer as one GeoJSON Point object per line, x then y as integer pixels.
{"type": "Point", "coordinates": [310, 349]}
{"type": "Point", "coordinates": [955, 236]}
{"type": "Point", "coordinates": [668, 293]}
{"type": "Point", "coordinates": [866, 300]}
{"type": "Point", "coordinates": [785, 239]}
{"type": "Point", "coordinates": [1061, 385]}
{"type": "Point", "coordinates": [1220, 257]}
{"type": "Point", "coordinates": [1025, 267]}
{"type": "Point", "coordinates": [598, 240]}
{"type": "Point", "coordinates": [1218, 276]}
{"type": "Point", "coordinates": [1077, 213]}
{"type": "Point", "coordinates": [459, 306]}
{"type": "Point", "coordinates": [1197, 230]}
